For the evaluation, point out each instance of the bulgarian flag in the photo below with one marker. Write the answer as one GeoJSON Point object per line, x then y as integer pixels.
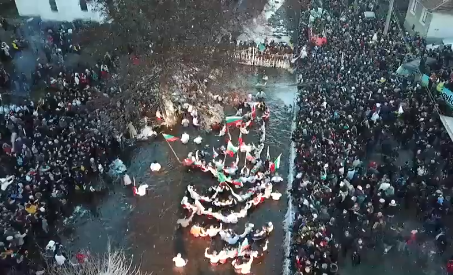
{"type": "Point", "coordinates": [233, 120]}
{"type": "Point", "coordinates": [249, 157]}
{"type": "Point", "coordinates": [170, 137]}
{"type": "Point", "coordinates": [231, 149]}
{"type": "Point", "coordinates": [222, 178]}
{"type": "Point", "coordinates": [276, 164]}
{"type": "Point", "coordinates": [237, 182]}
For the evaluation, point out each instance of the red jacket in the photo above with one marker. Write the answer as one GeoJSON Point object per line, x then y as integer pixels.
{"type": "Point", "coordinates": [450, 267]}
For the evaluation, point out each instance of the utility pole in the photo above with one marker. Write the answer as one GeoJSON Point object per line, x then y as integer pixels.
{"type": "Point", "coordinates": [389, 17]}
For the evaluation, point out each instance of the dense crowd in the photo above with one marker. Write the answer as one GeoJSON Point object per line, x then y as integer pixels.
{"type": "Point", "coordinates": [440, 72]}
{"type": "Point", "coordinates": [269, 53]}
{"type": "Point", "coordinates": [370, 148]}
{"type": "Point", "coordinates": [52, 147]}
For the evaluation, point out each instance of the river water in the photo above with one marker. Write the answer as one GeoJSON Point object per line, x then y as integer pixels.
{"type": "Point", "coordinates": [146, 226]}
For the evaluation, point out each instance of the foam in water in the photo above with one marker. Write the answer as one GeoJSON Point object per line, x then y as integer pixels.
{"type": "Point", "coordinates": [259, 28]}
{"type": "Point", "coordinates": [281, 92]}
{"type": "Point", "coordinates": [289, 216]}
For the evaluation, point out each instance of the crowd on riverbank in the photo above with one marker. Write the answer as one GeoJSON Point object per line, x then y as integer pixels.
{"type": "Point", "coordinates": [370, 149]}
{"type": "Point", "coordinates": [55, 146]}
{"type": "Point", "coordinates": [267, 54]}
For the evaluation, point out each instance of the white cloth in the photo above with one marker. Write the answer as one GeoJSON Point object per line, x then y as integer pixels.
{"type": "Point", "coordinates": [179, 262]}
{"type": "Point", "coordinates": [60, 259]}
{"type": "Point", "coordinates": [127, 180]}
{"type": "Point", "coordinates": [198, 140]}
{"type": "Point", "coordinates": [141, 190]}
{"type": "Point", "coordinates": [195, 121]}
{"type": "Point", "coordinates": [184, 138]}
{"type": "Point", "coordinates": [155, 167]}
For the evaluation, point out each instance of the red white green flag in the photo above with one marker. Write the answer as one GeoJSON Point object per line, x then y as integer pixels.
{"type": "Point", "coordinates": [232, 120]}
{"type": "Point", "coordinates": [170, 137]}
{"type": "Point", "coordinates": [231, 149]}
{"type": "Point", "coordinates": [249, 157]}
{"type": "Point", "coordinates": [276, 164]}
{"type": "Point", "coordinates": [222, 178]}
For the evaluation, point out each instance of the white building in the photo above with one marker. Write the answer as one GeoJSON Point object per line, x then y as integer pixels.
{"type": "Point", "coordinates": [60, 10]}
{"type": "Point", "coordinates": [432, 19]}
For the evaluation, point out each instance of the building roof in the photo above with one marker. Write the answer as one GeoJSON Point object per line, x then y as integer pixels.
{"type": "Point", "coordinates": [438, 5]}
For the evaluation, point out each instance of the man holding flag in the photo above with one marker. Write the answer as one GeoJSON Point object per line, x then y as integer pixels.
{"type": "Point", "coordinates": [231, 149]}
{"type": "Point", "coordinates": [275, 165]}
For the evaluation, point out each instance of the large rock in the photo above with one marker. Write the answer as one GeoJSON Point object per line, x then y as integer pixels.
{"type": "Point", "coordinates": [210, 115]}
{"type": "Point", "coordinates": [169, 111]}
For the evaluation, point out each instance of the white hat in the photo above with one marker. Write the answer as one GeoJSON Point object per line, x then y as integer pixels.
{"type": "Point", "coordinates": [9, 238]}
{"type": "Point", "coordinates": [382, 200]}
{"type": "Point", "coordinates": [359, 187]}
{"type": "Point", "coordinates": [42, 209]}
{"type": "Point", "coordinates": [392, 203]}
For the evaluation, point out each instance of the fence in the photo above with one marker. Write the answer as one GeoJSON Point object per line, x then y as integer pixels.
{"type": "Point", "coordinates": [253, 57]}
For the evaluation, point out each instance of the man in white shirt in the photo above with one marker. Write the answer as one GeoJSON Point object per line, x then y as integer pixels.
{"type": "Point", "coordinates": [179, 261]}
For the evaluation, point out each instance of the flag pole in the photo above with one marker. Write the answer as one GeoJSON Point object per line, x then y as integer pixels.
{"type": "Point", "coordinates": [171, 148]}
{"type": "Point", "coordinates": [228, 131]}
{"type": "Point", "coordinates": [229, 140]}
{"type": "Point", "coordinates": [224, 158]}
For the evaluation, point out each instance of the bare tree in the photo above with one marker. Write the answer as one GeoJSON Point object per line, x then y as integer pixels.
{"type": "Point", "coordinates": [174, 27]}
{"type": "Point", "coordinates": [114, 262]}
{"type": "Point", "coordinates": [154, 40]}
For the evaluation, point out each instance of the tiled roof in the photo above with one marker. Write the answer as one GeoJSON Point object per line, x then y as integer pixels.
{"type": "Point", "coordinates": [438, 5]}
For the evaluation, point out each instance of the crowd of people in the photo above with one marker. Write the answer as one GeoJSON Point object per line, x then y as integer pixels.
{"type": "Point", "coordinates": [372, 153]}
{"type": "Point", "coordinates": [235, 193]}
{"type": "Point", "coordinates": [53, 147]}
{"type": "Point", "coordinates": [267, 54]}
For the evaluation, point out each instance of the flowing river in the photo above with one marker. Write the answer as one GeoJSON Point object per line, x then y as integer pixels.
{"type": "Point", "coordinates": [146, 226]}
